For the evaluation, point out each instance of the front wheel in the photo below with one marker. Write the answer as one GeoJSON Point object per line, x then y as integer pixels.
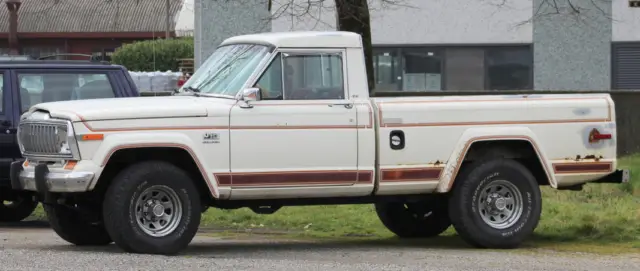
{"type": "Point", "coordinates": [152, 207]}
{"type": "Point", "coordinates": [495, 204]}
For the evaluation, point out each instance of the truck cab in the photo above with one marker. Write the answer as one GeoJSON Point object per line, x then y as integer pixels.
{"type": "Point", "coordinates": [24, 83]}
{"type": "Point", "coordinates": [283, 119]}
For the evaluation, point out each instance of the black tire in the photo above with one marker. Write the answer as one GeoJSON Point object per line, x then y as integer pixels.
{"type": "Point", "coordinates": [120, 206]}
{"type": "Point", "coordinates": [465, 211]}
{"type": "Point", "coordinates": [18, 209]}
{"type": "Point", "coordinates": [75, 228]}
{"type": "Point", "coordinates": [416, 219]}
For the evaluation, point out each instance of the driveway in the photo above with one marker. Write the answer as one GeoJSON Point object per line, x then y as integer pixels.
{"type": "Point", "coordinates": [33, 246]}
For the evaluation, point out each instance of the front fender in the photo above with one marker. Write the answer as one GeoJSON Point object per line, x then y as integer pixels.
{"type": "Point", "coordinates": [115, 142]}
{"type": "Point", "coordinates": [472, 135]}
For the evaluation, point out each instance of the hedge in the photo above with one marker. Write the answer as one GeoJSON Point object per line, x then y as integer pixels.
{"type": "Point", "coordinates": [153, 55]}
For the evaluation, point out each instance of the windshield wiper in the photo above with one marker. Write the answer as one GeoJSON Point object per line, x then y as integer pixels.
{"type": "Point", "coordinates": [193, 91]}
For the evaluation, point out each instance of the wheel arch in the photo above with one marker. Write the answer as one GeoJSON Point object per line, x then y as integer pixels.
{"type": "Point", "coordinates": [181, 155]}
{"type": "Point", "coordinates": [481, 146]}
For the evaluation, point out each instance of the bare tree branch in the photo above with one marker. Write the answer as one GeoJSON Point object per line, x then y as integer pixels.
{"type": "Point", "coordinates": [586, 12]}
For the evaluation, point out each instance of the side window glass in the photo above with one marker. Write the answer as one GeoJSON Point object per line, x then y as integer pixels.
{"type": "Point", "coordinates": [1, 93]}
{"type": "Point", "coordinates": [53, 87]}
{"type": "Point", "coordinates": [270, 83]}
{"type": "Point", "coordinates": [313, 77]}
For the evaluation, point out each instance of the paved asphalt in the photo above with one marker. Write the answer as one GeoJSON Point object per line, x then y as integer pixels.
{"type": "Point", "coordinates": [34, 247]}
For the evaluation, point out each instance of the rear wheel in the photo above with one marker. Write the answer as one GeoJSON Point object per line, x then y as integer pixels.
{"type": "Point", "coordinates": [415, 219]}
{"type": "Point", "coordinates": [152, 207]}
{"type": "Point", "coordinates": [495, 204]}
{"type": "Point", "coordinates": [16, 206]}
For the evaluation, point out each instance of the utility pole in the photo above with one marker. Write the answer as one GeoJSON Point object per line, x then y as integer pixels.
{"type": "Point", "coordinates": [13, 6]}
{"type": "Point", "coordinates": [168, 19]}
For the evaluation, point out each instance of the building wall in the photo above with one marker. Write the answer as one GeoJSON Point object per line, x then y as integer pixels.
{"type": "Point", "coordinates": [217, 20]}
{"type": "Point", "coordinates": [571, 52]}
{"type": "Point", "coordinates": [426, 22]}
{"type": "Point", "coordinates": [561, 51]}
{"type": "Point", "coordinates": [626, 21]}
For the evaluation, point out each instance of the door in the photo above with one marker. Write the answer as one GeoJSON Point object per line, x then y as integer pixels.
{"type": "Point", "coordinates": [303, 133]}
{"type": "Point", "coordinates": [9, 150]}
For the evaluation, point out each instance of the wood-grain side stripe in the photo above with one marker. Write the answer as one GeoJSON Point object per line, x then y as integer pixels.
{"type": "Point", "coordinates": [424, 174]}
{"type": "Point", "coordinates": [295, 178]}
{"type": "Point", "coordinates": [582, 167]}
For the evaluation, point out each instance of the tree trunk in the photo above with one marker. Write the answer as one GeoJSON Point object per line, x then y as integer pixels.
{"type": "Point", "coordinates": [353, 16]}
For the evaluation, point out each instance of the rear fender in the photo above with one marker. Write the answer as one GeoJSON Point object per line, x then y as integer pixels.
{"type": "Point", "coordinates": [472, 135]}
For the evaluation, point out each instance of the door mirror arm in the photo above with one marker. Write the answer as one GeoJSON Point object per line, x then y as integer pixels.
{"type": "Point", "coordinates": [250, 95]}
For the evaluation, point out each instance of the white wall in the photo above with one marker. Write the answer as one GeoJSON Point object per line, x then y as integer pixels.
{"type": "Point", "coordinates": [626, 22]}
{"type": "Point", "coordinates": [428, 21]}
{"type": "Point", "coordinates": [185, 19]}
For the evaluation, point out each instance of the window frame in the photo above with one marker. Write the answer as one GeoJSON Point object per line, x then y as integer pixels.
{"type": "Point", "coordinates": [5, 96]}
{"type": "Point", "coordinates": [263, 71]}
{"type": "Point", "coordinates": [305, 51]}
{"type": "Point", "coordinates": [117, 89]}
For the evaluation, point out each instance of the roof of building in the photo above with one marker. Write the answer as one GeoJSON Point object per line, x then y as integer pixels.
{"type": "Point", "coordinates": [38, 16]}
{"type": "Point", "coordinates": [293, 39]}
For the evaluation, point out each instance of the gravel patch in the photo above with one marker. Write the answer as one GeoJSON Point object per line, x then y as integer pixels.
{"type": "Point", "coordinates": [40, 249]}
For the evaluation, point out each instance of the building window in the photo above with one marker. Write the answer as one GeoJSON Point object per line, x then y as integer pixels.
{"type": "Point", "coordinates": [36, 52]}
{"type": "Point", "coordinates": [386, 65]}
{"type": "Point", "coordinates": [453, 68]}
{"type": "Point", "coordinates": [422, 70]}
{"type": "Point", "coordinates": [464, 69]}
{"type": "Point", "coordinates": [103, 54]}
{"type": "Point", "coordinates": [509, 69]}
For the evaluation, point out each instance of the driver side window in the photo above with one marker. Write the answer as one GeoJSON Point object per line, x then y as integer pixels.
{"type": "Point", "coordinates": [315, 76]}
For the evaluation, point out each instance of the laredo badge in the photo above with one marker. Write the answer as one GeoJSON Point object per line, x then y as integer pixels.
{"type": "Point", "coordinates": [209, 138]}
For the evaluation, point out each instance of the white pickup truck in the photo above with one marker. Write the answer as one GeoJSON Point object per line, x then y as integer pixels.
{"type": "Point", "coordinates": [282, 119]}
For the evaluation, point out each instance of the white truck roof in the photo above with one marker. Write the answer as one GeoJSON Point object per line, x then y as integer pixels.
{"type": "Point", "coordinates": [302, 39]}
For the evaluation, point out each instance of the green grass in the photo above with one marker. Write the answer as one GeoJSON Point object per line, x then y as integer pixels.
{"type": "Point", "coordinates": [602, 218]}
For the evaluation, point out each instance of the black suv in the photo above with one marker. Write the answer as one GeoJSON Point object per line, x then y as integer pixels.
{"type": "Point", "coordinates": [24, 83]}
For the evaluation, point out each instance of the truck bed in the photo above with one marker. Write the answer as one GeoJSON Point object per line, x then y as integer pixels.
{"type": "Point", "coordinates": [438, 132]}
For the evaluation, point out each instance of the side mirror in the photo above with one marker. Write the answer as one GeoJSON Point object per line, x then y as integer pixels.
{"type": "Point", "coordinates": [250, 95]}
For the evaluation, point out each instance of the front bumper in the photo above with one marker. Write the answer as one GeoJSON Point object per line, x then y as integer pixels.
{"type": "Point", "coordinates": [618, 176]}
{"type": "Point", "coordinates": [41, 180]}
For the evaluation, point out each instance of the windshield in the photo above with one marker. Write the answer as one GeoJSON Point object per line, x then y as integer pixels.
{"type": "Point", "coordinates": [227, 69]}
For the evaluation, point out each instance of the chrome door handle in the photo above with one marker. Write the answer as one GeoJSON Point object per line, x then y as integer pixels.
{"type": "Point", "coordinates": [346, 105]}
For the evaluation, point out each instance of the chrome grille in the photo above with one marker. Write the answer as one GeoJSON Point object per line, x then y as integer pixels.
{"type": "Point", "coordinates": [42, 139]}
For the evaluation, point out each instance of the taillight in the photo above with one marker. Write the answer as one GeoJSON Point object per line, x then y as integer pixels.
{"type": "Point", "coordinates": [595, 136]}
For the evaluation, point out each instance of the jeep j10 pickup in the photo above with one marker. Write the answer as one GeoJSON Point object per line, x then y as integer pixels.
{"type": "Point", "coordinates": [283, 119]}
{"type": "Point", "coordinates": [24, 83]}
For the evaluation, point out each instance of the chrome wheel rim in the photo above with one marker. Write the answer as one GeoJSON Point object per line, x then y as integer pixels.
{"type": "Point", "coordinates": [500, 204]}
{"type": "Point", "coordinates": [158, 211]}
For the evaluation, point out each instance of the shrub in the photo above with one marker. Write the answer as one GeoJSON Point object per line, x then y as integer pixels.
{"type": "Point", "coordinates": [153, 55]}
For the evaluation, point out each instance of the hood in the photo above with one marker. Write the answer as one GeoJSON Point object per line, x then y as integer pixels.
{"type": "Point", "coordinates": [125, 108]}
